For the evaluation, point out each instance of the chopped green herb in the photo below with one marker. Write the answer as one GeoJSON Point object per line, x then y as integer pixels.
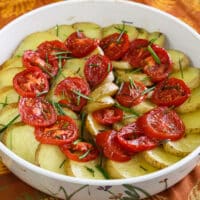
{"type": "Point", "coordinates": [143, 168]}
{"type": "Point", "coordinates": [82, 95]}
{"type": "Point", "coordinates": [62, 163]}
{"type": "Point", "coordinates": [148, 90]}
{"type": "Point", "coordinates": [122, 31]}
{"type": "Point", "coordinates": [181, 68]}
{"type": "Point", "coordinates": [104, 173]}
{"type": "Point", "coordinates": [154, 55]}
{"type": "Point", "coordinates": [57, 30]}
{"type": "Point", "coordinates": [58, 107]}
{"type": "Point", "coordinates": [9, 123]}
{"type": "Point", "coordinates": [61, 53]}
{"type": "Point", "coordinates": [132, 83]}
{"type": "Point", "coordinates": [45, 70]}
{"type": "Point", "coordinates": [85, 154]}
{"type": "Point", "coordinates": [5, 103]}
{"type": "Point", "coordinates": [109, 66]}
{"type": "Point", "coordinates": [93, 65]}
{"type": "Point", "coordinates": [125, 109]}
{"type": "Point", "coordinates": [90, 170]}
{"type": "Point", "coordinates": [83, 117]}
{"type": "Point", "coordinates": [128, 116]}
{"type": "Point", "coordinates": [41, 93]}
{"type": "Point", "coordinates": [77, 141]}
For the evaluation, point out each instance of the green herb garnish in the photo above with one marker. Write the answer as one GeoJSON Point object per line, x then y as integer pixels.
{"type": "Point", "coordinates": [181, 68]}
{"type": "Point", "coordinates": [90, 170]}
{"type": "Point", "coordinates": [41, 93]}
{"type": "Point", "coordinates": [109, 67]}
{"type": "Point", "coordinates": [57, 30]}
{"type": "Point", "coordinates": [132, 83]}
{"type": "Point", "coordinates": [5, 103]}
{"type": "Point", "coordinates": [59, 108]}
{"type": "Point", "coordinates": [125, 109]}
{"type": "Point", "coordinates": [85, 154]}
{"type": "Point", "coordinates": [9, 123]}
{"type": "Point", "coordinates": [62, 163]}
{"type": "Point", "coordinates": [122, 31]}
{"type": "Point", "coordinates": [83, 117]}
{"type": "Point", "coordinates": [104, 173]}
{"type": "Point", "coordinates": [148, 90]}
{"type": "Point", "coordinates": [154, 55]}
{"type": "Point", "coordinates": [81, 95]}
{"type": "Point", "coordinates": [77, 141]}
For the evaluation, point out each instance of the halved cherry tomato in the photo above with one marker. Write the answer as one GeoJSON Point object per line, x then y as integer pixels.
{"type": "Point", "coordinates": [170, 92]}
{"type": "Point", "coordinates": [131, 139]}
{"type": "Point", "coordinates": [81, 152]}
{"type": "Point", "coordinates": [32, 58]}
{"type": "Point", "coordinates": [137, 52]}
{"type": "Point", "coordinates": [108, 141]}
{"type": "Point", "coordinates": [131, 93]}
{"type": "Point", "coordinates": [115, 45]}
{"type": "Point", "coordinates": [157, 72]}
{"type": "Point", "coordinates": [162, 123]}
{"type": "Point", "coordinates": [80, 45]}
{"type": "Point", "coordinates": [36, 111]}
{"type": "Point", "coordinates": [74, 91]}
{"type": "Point", "coordinates": [31, 82]}
{"type": "Point", "coordinates": [139, 55]}
{"type": "Point", "coordinates": [108, 116]}
{"type": "Point", "coordinates": [63, 131]}
{"type": "Point", "coordinates": [96, 69]}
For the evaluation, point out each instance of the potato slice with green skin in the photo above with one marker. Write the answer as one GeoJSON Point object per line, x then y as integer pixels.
{"type": "Point", "coordinates": [15, 61]}
{"type": "Point", "coordinates": [50, 157]}
{"type": "Point", "coordinates": [137, 166]}
{"type": "Point", "coordinates": [106, 89]}
{"type": "Point", "coordinates": [184, 146]}
{"type": "Point", "coordinates": [62, 31]}
{"type": "Point", "coordinates": [8, 95]}
{"type": "Point", "coordinates": [92, 126]}
{"type": "Point", "coordinates": [191, 121]}
{"type": "Point", "coordinates": [90, 30]}
{"type": "Point", "coordinates": [7, 76]}
{"type": "Point", "coordinates": [83, 169]}
{"type": "Point", "coordinates": [125, 75]}
{"type": "Point", "coordinates": [130, 30]}
{"type": "Point", "coordinates": [158, 38]}
{"type": "Point", "coordinates": [191, 76]}
{"type": "Point", "coordinates": [20, 138]}
{"type": "Point", "coordinates": [191, 104]}
{"type": "Point", "coordinates": [159, 158]}
{"type": "Point", "coordinates": [179, 59]}
{"type": "Point", "coordinates": [142, 33]}
{"type": "Point", "coordinates": [9, 113]}
{"type": "Point", "coordinates": [32, 41]}
{"type": "Point", "coordinates": [101, 103]}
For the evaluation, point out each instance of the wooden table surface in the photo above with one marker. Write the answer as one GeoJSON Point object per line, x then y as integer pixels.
{"type": "Point", "coordinates": [11, 188]}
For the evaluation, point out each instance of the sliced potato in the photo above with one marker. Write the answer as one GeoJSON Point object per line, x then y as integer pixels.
{"type": "Point", "coordinates": [159, 158]}
{"type": "Point", "coordinates": [101, 103]}
{"type": "Point", "coordinates": [8, 95]}
{"type": "Point", "coordinates": [9, 113]}
{"type": "Point", "coordinates": [191, 76]}
{"type": "Point", "coordinates": [184, 146]}
{"type": "Point", "coordinates": [109, 78]}
{"type": "Point", "coordinates": [20, 138]}
{"type": "Point", "coordinates": [50, 157]}
{"type": "Point", "coordinates": [15, 61]}
{"type": "Point", "coordinates": [137, 166]}
{"type": "Point", "coordinates": [123, 75]}
{"type": "Point", "coordinates": [179, 59]}
{"type": "Point", "coordinates": [142, 33]}
{"type": "Point", "coordinates": [92, 126]}
{"type": "Point", "coordinates": [32, 41]}
{"type": "Point", "coordinates": [158, 38]}
{"type": "Point", "coordinates": [191, 121]}
{"type": "Point", "coordinates": [106, 89]}
{"type": "Point", "coordinates": [192, 103]}
{"type": "Point", "coordinates": [121, 65]}
{"type": "Point", "coordinates": [130, 30]}
{"type": "Point", "coordinates": [83, 169]}
{"type": "Point", "coordinates": [143, 107]}
{"type": "Point", "coordinates": [7, 76]}
{"type": "Point", "coordinates": [91, 30]}
{"type": "Point", "coordinates": [62, 31]}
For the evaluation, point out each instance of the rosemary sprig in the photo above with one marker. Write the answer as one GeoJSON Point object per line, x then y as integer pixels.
{"type": "Point", "coordinates": [41, 93]}
{"type": "Point", "coordinates": [9, 123]}
{"type": "Point", "coordinates": [181, 68]}
{"type": "Point", "coordinates": [57, 30]}
{"type": "Point", "coordinates": [148, 90]}
{"type": "Point", "coordinates": [90, 170]}
{"type": "Point", "coordinates": [125, 109]}
{"type": "Point", "coordinates": [122, 31]}
{"type": "Point", "coordinates": [82, 95]}
{"type": "Point", "coordinates": [83, 117]}
{"type": "Point", "coordinates": [62, 163]}
{"type": "Point", "coordinates": [132, 83]}
{"type": "Point", "coordinates": [85, 154]}
{"type": "Point", "coordinates": [77, 141]}
{"type": "Point", "coordinates": [104, 173]}
{"type": "Point", "coordinates": [58, 107]}
{"type": "Point", "coordinates": [154, 55]}
{"type": "Point", "coordinates": [5, 103]}
{"type": "Point", "coordinates": [61, 53]}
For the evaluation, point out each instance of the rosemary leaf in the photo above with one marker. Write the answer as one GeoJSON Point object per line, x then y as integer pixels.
{"type": "Point", "coordinates": [125, 109]}
{"type": "Point", "coordinates": [104, 173]}
{"type": "Point", "coordinates": [63, 162]}
{"type": "Point", "coordinates": [90, 170]}
{"type": "Point", "coordinates": [85, 154]}
{"type": "Point", "coordinates": [154, 55]}
{"type": "Point", "coordinates": [181, 68]}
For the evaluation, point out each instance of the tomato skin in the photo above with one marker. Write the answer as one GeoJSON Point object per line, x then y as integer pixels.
{"type": "Point", "coordinates": [32, 58]}
{"type": "Point", "coordinates": [63, 131]}
{"type": "Point", "coordinates": [69, 88]}
{"type": "Point", "coordinates": [115, 45]}
{"type": "Point", "coordinates": [112, 150]}
{"type": "Point", "coordinates": [129, 95]}
{"type": "Point", "coordinates": [162, 123]}
{"type": "Point", "coordinates": [171, 92]}
{"type": "Point", "coordinates": [158, 72]}
{"type": "Point", "coordinates": [108, 116]}
{"type": "Point", "coordinates": [96, 69]}
{"type": "Point", "coordinates": [80, 45]}
{"type": "Point", "coordinates": [36, 111]}
{"type": "Point", "coordinates": [131, 139]}
{"type": "Point", "coordinates": [31, 82]}
{"type": "Point", "coordinates": [75, 151]}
